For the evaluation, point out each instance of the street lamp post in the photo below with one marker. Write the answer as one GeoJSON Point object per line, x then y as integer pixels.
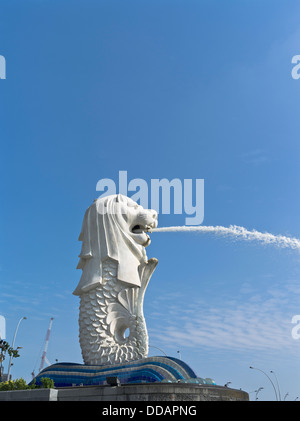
{"type": "Point", "coordinates": [13, 343]}
{"type": "Point", "coordinates": [273, 372]}
{"type": "Point", "coordinates": [152, 346]}
{"type": "Point", "coordinates": [253, 368]}
{"type": "Point", "coordinates": [257, 392]}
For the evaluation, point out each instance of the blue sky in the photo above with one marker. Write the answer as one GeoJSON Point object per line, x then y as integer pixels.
{"type": "Point", "coordinates": [162, 89]}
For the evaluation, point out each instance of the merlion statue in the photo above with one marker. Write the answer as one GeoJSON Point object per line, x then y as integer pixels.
{"type": "Point", "coordinates": [115, 274]}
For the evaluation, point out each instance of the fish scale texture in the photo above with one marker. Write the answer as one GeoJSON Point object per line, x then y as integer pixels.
{"type": "Point", "coordinates": [105, 313]}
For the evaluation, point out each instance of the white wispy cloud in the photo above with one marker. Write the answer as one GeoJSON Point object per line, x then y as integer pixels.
{"type": "Point", "coordinates": [255, 157]}
{"type": "Point", "coordinates": [250, 321]}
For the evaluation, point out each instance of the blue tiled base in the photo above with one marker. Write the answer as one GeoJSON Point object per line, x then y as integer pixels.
{"type": "Point", "coordinates": [147, 370]}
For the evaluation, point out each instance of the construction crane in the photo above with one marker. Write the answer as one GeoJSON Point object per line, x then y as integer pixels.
{"type": "Point", "coordinates": [44, 358]}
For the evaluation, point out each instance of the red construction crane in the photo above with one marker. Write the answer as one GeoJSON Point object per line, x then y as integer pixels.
{"type": "Point", "coordinates": [46, 344]}
{"type": "Point", "coordinates": [45, 348]}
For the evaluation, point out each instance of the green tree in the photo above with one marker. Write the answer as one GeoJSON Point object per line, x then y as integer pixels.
{"type": "Point", "coordinates": [20, 384]}
{"type": "Point", "coordinates": [47, 383]}
{"type": "Point", "coordinates": [6, 348]}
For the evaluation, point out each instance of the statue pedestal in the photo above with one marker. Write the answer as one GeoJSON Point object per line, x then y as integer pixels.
{"type": "Point", "coordinates": [148, 379]}
{"type": "Point", "coordinates": [147, 392]}
{"type": "Point", "coordinates": [151, 392]}
{"type": "Point", "coordinates": [146, 370]}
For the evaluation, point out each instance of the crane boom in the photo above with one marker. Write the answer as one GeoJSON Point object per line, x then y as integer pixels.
{"type": "Point", "coordinates": [46, 344]}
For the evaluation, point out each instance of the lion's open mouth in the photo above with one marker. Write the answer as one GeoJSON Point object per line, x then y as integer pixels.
{"type": "Point", "coordinates": [140, 233]}
{"type": "Point", "coordinates": [139, 229]}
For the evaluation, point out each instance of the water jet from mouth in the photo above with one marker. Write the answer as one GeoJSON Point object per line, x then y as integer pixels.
{"type": "Point", "coordinates": [237, 232]}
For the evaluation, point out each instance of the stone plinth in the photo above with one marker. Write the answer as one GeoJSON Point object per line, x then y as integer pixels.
{"type": "Point", "coordinates": [29, 395]}
{"type": "Point", "coordinates": [131, 392]}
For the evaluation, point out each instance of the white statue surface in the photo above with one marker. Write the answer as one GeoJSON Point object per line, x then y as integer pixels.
{"type": "Point", "coordinates": [115, 274]}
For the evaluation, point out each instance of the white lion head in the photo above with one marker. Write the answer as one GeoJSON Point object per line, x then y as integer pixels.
{"type": "Point", "coordinates": [114, 227]}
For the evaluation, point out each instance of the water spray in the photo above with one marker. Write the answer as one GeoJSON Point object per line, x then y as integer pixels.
{"type": "Point", "coordinates": [235, 231]}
